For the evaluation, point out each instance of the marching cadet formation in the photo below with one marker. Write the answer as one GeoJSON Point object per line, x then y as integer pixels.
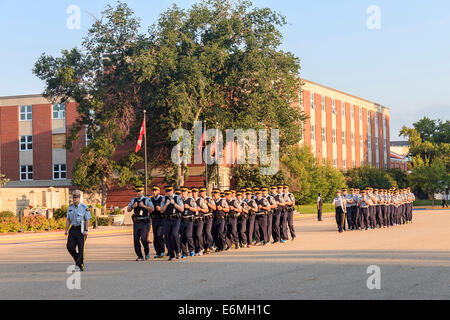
{"type": "Point", "coordinates": [373, 208]}
{"type": "Point", "coordinates": [186, 222]}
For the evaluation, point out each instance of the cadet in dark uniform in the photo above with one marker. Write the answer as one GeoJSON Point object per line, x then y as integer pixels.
{"type": "Point", "coordinates": [319, 207]}
{"type": "Point", "coordinates": [208, 221]}
{"type": "Point", "coordinates": [142, 208]}
{"type": "Point", "coordinates": [348, 209]}
{"type": "Point", "coordinates": [276, 215]}
{"type": "Point", "coordinates": [77, 228]}
{"type": "Point", "coordinates": [363, 205]}
{"type": "Point", "coordinates": [252, 210]}
{"type": "Point", "coordinates": [202, 209]}
{"type": "Point", "coordinates": [242, 219]}
{"type": "Point", "coordinates": [339, 203]}
{"type": "Point", "coordinates": [187, 224]}
{"type": "Point", "coordinates": [290, 207]}
{"type": "Point", "coordinates": [283, 216]}
{"type": "Point", "coordinates": [172, 206]}
{"type": "Point", "coordinates": [273, 206]}
{"type": "Point", "coordinates": [157, 223]}
{"type": "Point", "coordinates": [378, 215]}
{"type": "Point", "coordinates": [219, 220]}
{"type": "Point", "coordinates": [261, 219]}
{"type": "Point", "coordinates": [234, 213]}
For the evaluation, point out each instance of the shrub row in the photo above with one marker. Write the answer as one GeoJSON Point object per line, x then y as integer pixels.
{"type": "Point", "coordinates": [31, 223]}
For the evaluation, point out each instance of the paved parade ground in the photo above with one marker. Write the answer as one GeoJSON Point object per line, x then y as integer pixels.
{"type": "Point", "coordinates": [414, 262]}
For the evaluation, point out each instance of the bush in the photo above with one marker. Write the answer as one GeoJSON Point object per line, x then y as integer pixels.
{"type": "Point", "coordinates": [7, 214]}
{"type": "Point", "coordinates": [9, 224]}
{"type": "Point", "coordinates": [104, 221]}
{"type": "Point", "coordinates": [61, 213]}
{"type": "Point", "coordinates": [35, 223]}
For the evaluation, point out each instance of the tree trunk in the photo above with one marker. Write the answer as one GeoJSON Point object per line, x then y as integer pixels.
{"type": "Point", "coordinates": [104, 197]}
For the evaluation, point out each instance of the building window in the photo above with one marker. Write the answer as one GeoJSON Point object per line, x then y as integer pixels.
{"type": "Point", "coordinates": [335, 162]}
{"type": "Point", "coordinates": [333, 105]}
{"type": "Point", "coordinates": [360, 114]}
{"type": "Point", "coordinates": [378, 165]}
{"type": "Point", "coordinates": [26, 113]}
{"type": "Point", "coordinates": [384, 145]}
{"type": "Point", "coordinates": [343, 137]}
{"type": "Point", "coordinates": [313, 132]}
{"type": "Point", "coordinates": [313, 105]}
{"type": "Point", "coordinates": [369, 142]}
{"type": "Point", "coordinates": [26, 173]}
{"type": "Point", "coordinates": [385, 166]}
{"type": "Point", "coordinates": [26, 143]}
{"type": "Point", "coordinates": [59, 172]}
{"type": "Point", "coordinates": [368, 118]}
{"type": "Point", "coordinates": [334, 135]}
{"type": "Point", "coordinates": [59, 141]}
{"type": "Point", "coordinates": [344, 164]}
{"type": "Point", "coordinates": [360, 141]}
{"type": "Point", "coordinates": [376, 144]}
{"type": "Point", "coordinates": [324, 135]}
{"type": "Point", "coordinates": [59, 111]}
{"type": "Point", "coordinates": [343, 109]}
{"type": "Point", "coordinates": [323, 103]}
{"type": "Point", "coordinates": [362, 163]}
{"type": "Point", "coordinates": [352, 112]}
{"type": "Point", "coordinates": [353, 164]}
{"type": "Point", "coordinates": [353, 139]}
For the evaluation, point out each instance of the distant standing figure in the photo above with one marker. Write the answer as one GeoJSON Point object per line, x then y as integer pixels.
{"type": "Point", "coordinates": [319, 207]}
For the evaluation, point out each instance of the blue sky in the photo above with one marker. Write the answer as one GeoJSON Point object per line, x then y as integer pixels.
{"type": "Point", "coordinates": [405, 65]}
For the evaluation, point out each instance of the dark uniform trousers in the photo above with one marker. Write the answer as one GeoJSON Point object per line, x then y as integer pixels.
{"type": "Point", "coordinates": [158, 235]}
{"type": "Point", "coordinates": [364, 213]}
{"type": "Point", "coordinates": [353, 217]}
{"type": "Point", "coordinates": [172, 229]}
{"type": "Point", "coordinates": [276, 225]}
{"type": "Point", "coordinates": [348, 216]}
{"type": "Point", "coordinates": [384, 213]}
{"type": "Point", "coordinates": [207, 233]}
{"type": "Point", "coordinates": [187, 241]}
{"type": "Point", "coordinates": [232, 234]}
{"type": "Point", "coordinates": [340, 218]}
{"type": "Point", "coordinates": [269, 225]}
{"type": "Point", "coordinates": [198, 235]}
{"type": "Point", "coordinates": [283, 224]}
{"type": "Point", "coordinates": [242, 229]}
{"type": "Point", "coordinates": [379, 216]}
{"type": "Point", "coordinates": [372, 213]}
{"type": "Point", "coordinates": [392, 214]}
{"type": "Point", "coordinates": [251, 228]}
{"type": "Point", "coordinates": [261, 228]}
{"type": "Point", "coordinates": [76, 241]}
{"type": "Point", "coordinates": [219, 232]}
{"type": "Point", "coordinates": [290, 221]}
{"type": "Point", "coordinates": [140, 233]}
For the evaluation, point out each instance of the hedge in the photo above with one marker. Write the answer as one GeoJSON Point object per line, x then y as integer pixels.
{"type": "Point", "coordinates": [31, 223]}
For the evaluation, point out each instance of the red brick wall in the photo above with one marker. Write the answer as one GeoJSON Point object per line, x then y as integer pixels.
{"type": "Point", "coordinates": [319, 151]}
{"type": "Point", "coordinates": [42, 142]}
{"type": "Point", "coordinates": [372, 134]}
{"type": "Point", "coordinates": [329, 119]}
{"type": "Point", "coordinates": [357, 144]}
{"type": "Point", "coordinates": [307, 123]}
{"type": "Point", "coordinates": [9, 139]}
{"type": "Point", "coordinates": [365, 142]}
{"type": "Point", "coordinates": [380, 139]}
{"type": "Point", "coordinates": [388, 140]}
{"type": "Point", "coordinates": [348, 135]}
{"type": "Point", "coordinates": [339, 133]}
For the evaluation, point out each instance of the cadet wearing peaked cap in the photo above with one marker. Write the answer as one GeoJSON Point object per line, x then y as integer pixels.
{"type": "Point", "coordinates": [172, 206]}
{"type": "Point", "coordinates": [157, 222]}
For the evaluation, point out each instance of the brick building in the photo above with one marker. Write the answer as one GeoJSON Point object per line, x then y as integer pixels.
{"type": "Point", "coordinates": [346, 130]}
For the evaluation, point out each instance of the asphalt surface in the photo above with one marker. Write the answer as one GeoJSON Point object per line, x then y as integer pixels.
{"type": "Point", "coordinates": [414, 262]}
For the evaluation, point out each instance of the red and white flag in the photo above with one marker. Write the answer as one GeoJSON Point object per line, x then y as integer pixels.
{"type": "Point", "coordinates": [200, 145]}
{"type": "Point", "coordinates": [141, 135]}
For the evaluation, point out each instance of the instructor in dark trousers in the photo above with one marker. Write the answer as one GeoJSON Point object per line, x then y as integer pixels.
{"type": "Point", "coordinates": [77, 228]}
{"type": "Point", "coordinates": [319, 207]}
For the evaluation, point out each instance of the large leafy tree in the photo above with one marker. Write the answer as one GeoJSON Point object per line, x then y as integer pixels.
{"type": "Point", "coordinates": [218, 61]}
{"type": "Point", "coordinates": [100, 79]}
{"type": "Point", "coordinates": [367, 176]}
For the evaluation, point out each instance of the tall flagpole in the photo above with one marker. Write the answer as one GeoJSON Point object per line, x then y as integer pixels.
{"type": "Point", "coordinates": [145, 151]}
{"type": "Point", "coordinates": [206, 162]}
{"type": "Point", "coordinates": [217, 154]}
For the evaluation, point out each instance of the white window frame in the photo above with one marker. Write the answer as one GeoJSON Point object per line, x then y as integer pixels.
{"type": "Point", "coordinates": [360, 114]}
{"type": "Point", "coordinates": [60, 114]}
{"type": "Point", "coordinates": [344, 164]}
{"type": "Point", "coordinates": [313, 132]}
{"type": "Point", "coordinates": [335, 163]}
{"type": "Point", "coordinates": [353, 139]}
{"type": "Point", "coordinates": [333, 106]}
{"type": "Point", "coordinates": [344, 139]}
{"type": "Point", "coordinates": [343, 109]}
{"type": "Point", "coordinates": [26, 143]}
{"type": "Point", "coordinates": [311, 101]}
{"type": "Point", "coordinates": [324, 134]}
{"type": "Point", "coordinates": [28, 115]}
{"type": "Point", "coordinates": [60, 171]}
{"type": "Point", "coordinates": [27, 172]}
{"type": "Point", "coordinates": [334, 136]}
{"type": "Point", "coordinates": [352, 111]}
{"type": "Point", "coordinates": [322, 102]}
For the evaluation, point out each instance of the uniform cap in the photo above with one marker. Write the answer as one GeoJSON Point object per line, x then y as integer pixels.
{"type": "Point", "coordinates": [195, 190]}
{"type": "Point", "coordinates": [168, 188]}
{"type": "Point", "coordinates": [202, 189]}
{"type": "Point", "coordinates": [139, 189]}
{"type": "Point", "coordinates": [273, 187]}
{"type": "Point", "coordinates": [345, 189]}
{"type": "Point", "coordinates": [239, 193]}
{"type": "Point", "coordinates": [264, 189]}
{"type": "Point", "coordinates": [155, 187]}
{"type": "Point", "coordinates": [216, 191]}
{"type": "Point", "coordinates": [184, 189]}
{"type": "Point", "coordinates": [228, 192]}
{"type": "Point", "coordinates": [258, 192]}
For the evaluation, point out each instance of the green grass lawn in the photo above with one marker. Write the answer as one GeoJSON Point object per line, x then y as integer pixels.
{"type": "Point", "coordinates": [312, 208]}
{"type": "Point", "coordinates": [418, 203]}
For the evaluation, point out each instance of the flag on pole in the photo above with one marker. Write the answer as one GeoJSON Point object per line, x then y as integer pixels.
{"type": "Point", "coordinates": [141, 135]}
{"type": "Point", "coordinates": [200, 145]}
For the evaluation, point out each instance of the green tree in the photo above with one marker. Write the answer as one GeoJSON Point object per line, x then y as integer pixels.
{"type": "Point", "coordinates": [218, 61]}
{"type": "Point", "coordinates": [100, 79]}
{"type": "Point", "coordinates": [250, 176]}
{"type": "Point", "coordinates": [367, 176]}
{"type": "Point", "coordinates": [400, 177]}
{"type": "Point", "coordinates": [431, 178]}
